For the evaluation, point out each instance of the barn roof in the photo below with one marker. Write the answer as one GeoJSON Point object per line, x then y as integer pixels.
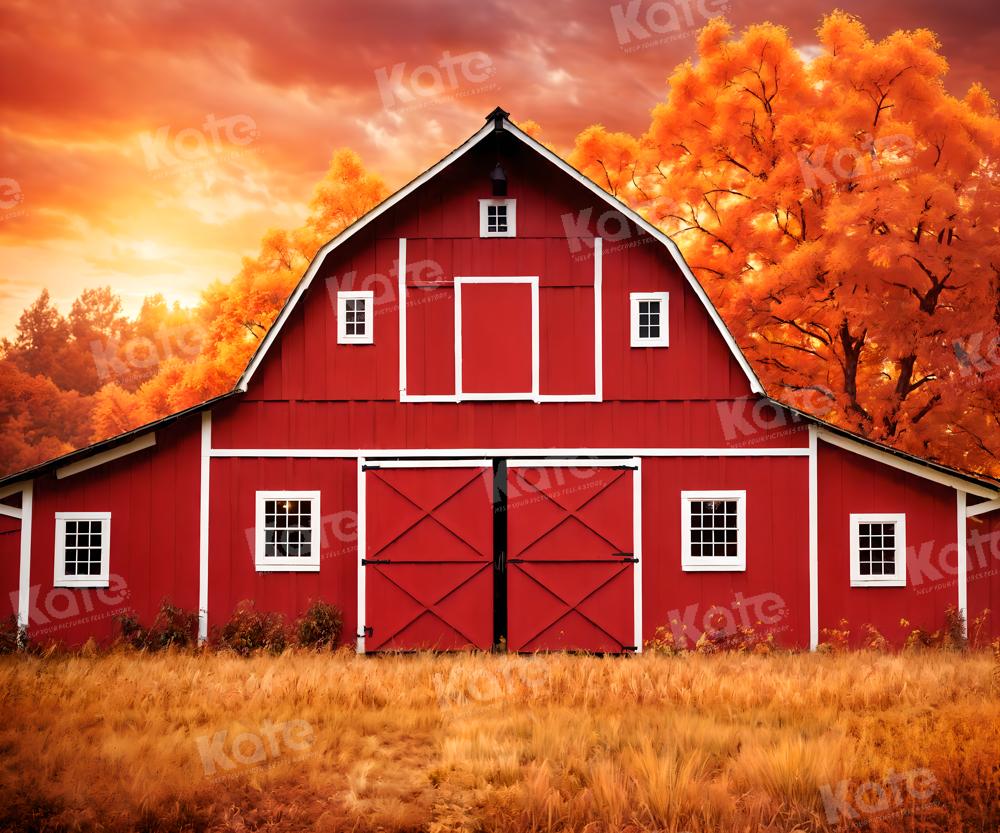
{"type": "Point", "coordinates": [498, 120]}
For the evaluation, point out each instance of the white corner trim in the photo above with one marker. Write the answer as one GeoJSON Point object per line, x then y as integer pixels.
{"type": "Point", "coordinates": [637, 553]}
{"type": "Point", "coordinates": [982, 508]}
{"type": "Point", "coordinates": [24, 573]}
{"type": "Point", "coordinates": [716, 564]}
{"type": "Point", "coordinates": [898, 579]}
{"type": "Point", "coordinates": [813, 540]}
{"type": "Point", "coordinates": [430, 173]}
{"type": "Point", "coordinates": [663, 339]}
{"type": "Point", "coordinates": [102, 457]}
{"type": "Point", "coordinates": [203, 506]}
{"type": "Point", "coordinates": [963, 558]}
{"type": "Point", "coordinates": [599, 321]}
{"type": "Point", "coordinates": [401, 305]}
{"type": "Point", "coordinates": [903, 464]}
{"type": "Point", "coordinates": [362, 550]}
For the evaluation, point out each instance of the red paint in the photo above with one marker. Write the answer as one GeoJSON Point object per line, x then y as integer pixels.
{"type": "Point", "coordinates": [153, 499]}
{"type": "Point", "coordinates": [496, 338]}
{"type": "Point", "coordinates": [848, 484]}
{"type": "Point", "coordinates": [983, 537]}
{"type": "Point", "coordinates": [10, 564]}
{"type": "Point", "coordinates": [570, 580]}
{"type": "Point", "coordinates": [434, 528]}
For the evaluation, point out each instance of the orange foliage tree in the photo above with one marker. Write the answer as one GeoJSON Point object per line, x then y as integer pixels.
{"type": "Point", "coordinates": [843, 213]}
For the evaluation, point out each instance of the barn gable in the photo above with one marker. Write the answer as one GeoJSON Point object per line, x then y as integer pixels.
{"type": "Point", "coordinates": [570, 242]}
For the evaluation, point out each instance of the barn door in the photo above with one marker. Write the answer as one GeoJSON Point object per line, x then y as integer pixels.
{"type": "Point", "coordinates": [572, 561]}
{"type": "Point", "coordinates": [428, 556]}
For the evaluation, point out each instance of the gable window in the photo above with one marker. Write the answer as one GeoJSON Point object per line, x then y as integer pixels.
{"type": "Point", "coordinates": [713, 531]}
{"type": "Point", "coordinates": [497, 218]}
{"type": "Point", "coordinates": [878, 550]}
{"type": "Point", "coordinates": [288, 532]}
{"type": "Point", "coordinates": [649, 319]}
{"type": "Point", "coordinates": [83, 541]}
{"type": "Point", "coordinates": [354, 317]}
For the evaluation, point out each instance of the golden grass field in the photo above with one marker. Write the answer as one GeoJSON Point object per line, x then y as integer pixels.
{"type": "Point", "coordinates": [306, 741]}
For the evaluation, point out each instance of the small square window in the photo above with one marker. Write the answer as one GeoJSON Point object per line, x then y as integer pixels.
{"type": "Point", "coordinates": [83, 545]}
{"type": "Point", "coordinates": [649, 319]}
{"type": "Point", "coordinates": [878, 550]}
{"type": "Point", "coordinates": [713, 531]}
{"type": "Point", "coordinates": [354, 318]}
{"type": "Point", "coordinates": [497, 218]}
{"type": "Point", "coordinates": [288, 532]}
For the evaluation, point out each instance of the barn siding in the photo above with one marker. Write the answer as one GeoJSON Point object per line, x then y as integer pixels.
{"type": "Point", "coordinates": [776, 580]}
{"type": "Point", "coordinates": [849, 483]}
{"type": "Point", "coordinates": [153, 499]}
{"type": "Point", "coordinates": [232, 573]}
{"type": "Point", "coordinates": [984, 573]}
{"type": "Point", "coordinates": [10, 564]}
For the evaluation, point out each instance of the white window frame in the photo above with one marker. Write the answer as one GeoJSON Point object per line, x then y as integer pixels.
{"type": "Point", "coordinates": [720, 563]}
{"type": "Point", "coordinates": [100, 580]}
{"type": "Point", "coordinates": [511, 218]}
{"type": "Point", "coordinates": [368, 296]}
{"type": "Point", "coordinates": [663, 340]}
{"type": "Point", "coordinates": [897, 580]}
{"type": "Point", "coordinates": [287, 564]}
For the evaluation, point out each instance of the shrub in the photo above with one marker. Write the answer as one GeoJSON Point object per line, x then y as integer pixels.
{"type": "Point", "coordinates": [12, 636]}
{"type": "Point", "coordinates": [320, 626]}
{"type": "Point", "coordinates": [250, 630]}
{"type": "Point", "coordinates": [173, 627]}
{"type": "Point", "coordinates": [949, 638]}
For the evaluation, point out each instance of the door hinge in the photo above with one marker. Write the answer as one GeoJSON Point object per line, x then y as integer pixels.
{"type": "Point", "coordinates": [366, 561]}
{"type": "Point", "coordinates": [368, 466]}
{"type": "Point", "coordinates": [627, 557]}
{"type": "Point", "coordinates": [632, 648]}
{"type": "Point", "coordinates": [366, 631]}
{"type": "Point", "coordinates": [626, 468]}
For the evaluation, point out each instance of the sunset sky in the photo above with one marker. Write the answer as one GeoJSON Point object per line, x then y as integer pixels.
{"type": "Point", "coordinates": [148, 145]}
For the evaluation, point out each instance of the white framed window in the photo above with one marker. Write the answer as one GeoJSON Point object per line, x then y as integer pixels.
{"type": "Point", "coordinates": [713, 531]}
{"type": "Point", "coordinates": [355, 319]}
{"type": "Point", "coordinates": [650, 325]}
{"type": "Point", "coordinates": [878, 550]}
{"type": "Point", "coordinates": [287, 532]}
{"type": "Point", "coordinates": [497, 218]}
{"type": "Point", "coordinates": [83, 544]}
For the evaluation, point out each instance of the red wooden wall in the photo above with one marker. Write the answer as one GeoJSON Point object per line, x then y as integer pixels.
{"type": "Point", "coordinates": [153, 497]}
{"type": "Point", "coordinates": [10, 564]}
{"type": "Point", "coordinates": [984, 574]}
{"type": "Point", "coordinates": [849, 483]}
{"type": "Point", "coordinates": [773, 590]}
{"type": "Point", "coordinates": [232, 574]}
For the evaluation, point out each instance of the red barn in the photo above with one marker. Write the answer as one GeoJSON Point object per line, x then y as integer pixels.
{"type": "Point", "coordinates": [499, 408]}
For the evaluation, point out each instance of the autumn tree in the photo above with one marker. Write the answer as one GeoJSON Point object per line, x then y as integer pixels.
{"type": "Point", "coordinates": [843, 214]}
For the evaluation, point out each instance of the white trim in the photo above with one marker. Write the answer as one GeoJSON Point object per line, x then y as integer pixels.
{"type": "Point", "coordinates": [637, 553]}
{"type": "Point", "coordinates": [898, 579]}
{"type": "Point", "coordinates": [401, 305]}
{"type": "Point", "coordinates": [813, 540]}
{"type": "Point", "coordinates": [511, 205]}
{"type": "Point", "coordinates": [714, 564]}
{"type": "Point", "coordinates": [663, 339]}
{"type": "Point", "coordinates": [368, 336]}
{"type": "Point", "coordinates": [568, 462]}
{"type": "Point", "coordinates": [10, 511]}
{"type": "Point", "coordinates": [24, 575]}
{"type": "Point", "coordinates": [428, 464]}
{"type": "Point", "coordinates": [430, 173]}
{"type": "Point", "coordinates": [361, 547]}
{"type": "Point", "coordinates": [203, 503]}
{"type": "Point", "coordinates": [903, 464]}
{"type": "Point", "coordinates": [351, 453]}
{"type": "Point", "coordinates": [963, 559]}
{"type": "Point", "coordinates": [532, 394]}
{"type": "Point", "coordinates": [598, 322]}
{"type": "Point", "coordinates": [287, 563]}
{"type": "Point", "coordinates": [14, 488]}
{"type": "Point", "coordinates": [982, 508]}
{"type": "Point", "coordinates": [102, 579]}
{"type": "Point", "coordinates": [99, 459]}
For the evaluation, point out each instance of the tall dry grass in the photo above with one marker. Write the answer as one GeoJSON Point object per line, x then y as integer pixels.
{"type": "Point", "coordinates": [497, 743]}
